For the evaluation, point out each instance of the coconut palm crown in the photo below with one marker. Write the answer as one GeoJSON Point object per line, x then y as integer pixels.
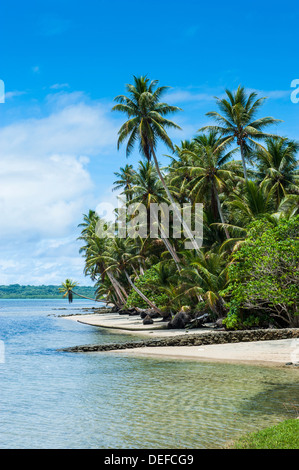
{"type": "Point", "coordinates": [146, 113]}
{"type": "Point", "coordinates": [238, 121]}
{"type": "Point", "coordinates": [67, 289]}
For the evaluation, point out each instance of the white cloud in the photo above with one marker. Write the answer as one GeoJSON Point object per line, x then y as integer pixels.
{"type": "Point", "coordinates": [46, 261]}
{"type": "Point", "coordinates": [76, 129]}
{"type": "Point", "coordinates": [41, 197]}
{"type": "Point", "coordinates": [46, 186]}
{"type": "Point", "coordinates": [43, 168]}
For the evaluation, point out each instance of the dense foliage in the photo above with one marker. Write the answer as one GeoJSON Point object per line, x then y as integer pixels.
{"type": "Point", "coordinates": [247, 181]}
{"type": "Point", "coordinates": [264, 276]}
{"type": "Point", "coordinates": [149, 284]}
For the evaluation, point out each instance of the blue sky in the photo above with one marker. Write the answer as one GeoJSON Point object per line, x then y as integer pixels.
{"type": "Point", "coordinates": [63, 63]}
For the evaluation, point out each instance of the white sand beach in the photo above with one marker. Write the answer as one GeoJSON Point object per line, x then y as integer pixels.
{"type": "Point", "coordinates": [126, 324]}
{"type": "Point", "coordinates": [275, 353]}
{"type": "Point", "coordinates": [271, 353]}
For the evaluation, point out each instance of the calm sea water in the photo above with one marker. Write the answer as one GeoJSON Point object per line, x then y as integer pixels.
{"type": "Point", "coordinates": [51, 399]}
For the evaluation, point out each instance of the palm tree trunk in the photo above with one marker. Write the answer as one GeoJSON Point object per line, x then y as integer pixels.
{"type": "Point", "coordinates": [115, 301]}
{"type": "Point", "coordinates": [122, 289]}
{"type": "Point", "coordinates": [243, 161]}
{"type": "Point", "coordinates": [185, 226]}
{"type": "Point", "coordinates": [168, 245]}
{"type": "Point", "coordinates": [172, 252]}
{"type": "Point", "coordinates": [135, 272]}
{"type": "Point", "coordinates": [116, 287]}
{"type": "Point", "coordinates": [220, 210]}
{"type": "Point", "coordinates": [153, 306]}
{"type": "Point", "coordinates": [88, 298]}
{"type": "Point", "coordinates": [115, 284]}
{"type": "Point", "coordinates": [141, 269]}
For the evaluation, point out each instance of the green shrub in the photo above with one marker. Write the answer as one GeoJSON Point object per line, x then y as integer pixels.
{"type": "Point", "coordinates": [233, 321]}
{"type": "Point", "coordinates": [263, 276]}
{"type": "Point", "coordinates": [148, 284]}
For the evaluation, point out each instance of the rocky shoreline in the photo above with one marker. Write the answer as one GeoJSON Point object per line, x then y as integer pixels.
{"type": "Point", "coordinates": [215, 337]}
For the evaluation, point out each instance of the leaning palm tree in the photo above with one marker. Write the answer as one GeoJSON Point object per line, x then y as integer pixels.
{"type": "Point", "coordinates": [238, 121]}
{"type": "Point", "coordinates": [67, 289]}
{"type": "Point", "coordinates": [92, 248]}
{"type": "Point", "coordinates": [149, 190]}
{"type": "Point", "coordinates": [120, 257]}
{"type": "Point", "coordinates": [96, 267]}
{"type": "Point", "coordinates": [147, 124]}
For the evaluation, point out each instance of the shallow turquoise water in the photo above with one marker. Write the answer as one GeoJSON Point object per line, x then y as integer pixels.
{"type": "Point", "coordinates": [52, 399]}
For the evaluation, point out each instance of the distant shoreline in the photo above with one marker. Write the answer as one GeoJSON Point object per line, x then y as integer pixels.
{"type": "Point", "coordinates": [43, 298]}
{"type": "Point", "coordinates": [19, 292]}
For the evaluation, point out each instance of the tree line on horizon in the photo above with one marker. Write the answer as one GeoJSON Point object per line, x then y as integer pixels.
{"type": "Point", "coordinates": [17, 291]}
{"type": "Point", "coordinates": [246, 271]}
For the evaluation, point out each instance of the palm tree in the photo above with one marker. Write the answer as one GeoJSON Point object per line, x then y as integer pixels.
{"type": "Point", "coordinates": [89, 222]}
{"type": "Point", "coordinates": [120, 257]}
{"type": "Point", "coordinates": [238, 121]}
{"type": "Point", "coordinates": [92, 250]}
{"type": "Point", "coordinates": [125, 180]}
{"type": "Point", "coordinates": [289, 206]}
{"type": "Point", "coordinates": [178, 176]}
{"type": "Point", "coordinates": [147, 124]}
{"type": "Point", "coordinates": [67, 288]}
{"type": "Point", "coordinates": [248, 204]}
{"type": "Point", "coordinates": [146, 113]}
{"type": "Point", "coordinates": [97, 268]}
{"type": "Point", "coordinates": [277, 167]}
{"type": "Point", "coordinates": [209, 171]}
{"type": "Point", "coordinates": [147, 188]}
{"type": "Point", "coordinates": [252, 202]}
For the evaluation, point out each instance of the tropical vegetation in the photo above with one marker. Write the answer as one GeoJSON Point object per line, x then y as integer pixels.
{"type": "Point", "coordinates": [246, 270]}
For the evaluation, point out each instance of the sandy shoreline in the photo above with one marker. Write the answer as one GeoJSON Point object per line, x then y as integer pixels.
{"type": "Point", "coordinates": [269, 353]}
{"type": "Point", "coordinates": [130, 325]}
